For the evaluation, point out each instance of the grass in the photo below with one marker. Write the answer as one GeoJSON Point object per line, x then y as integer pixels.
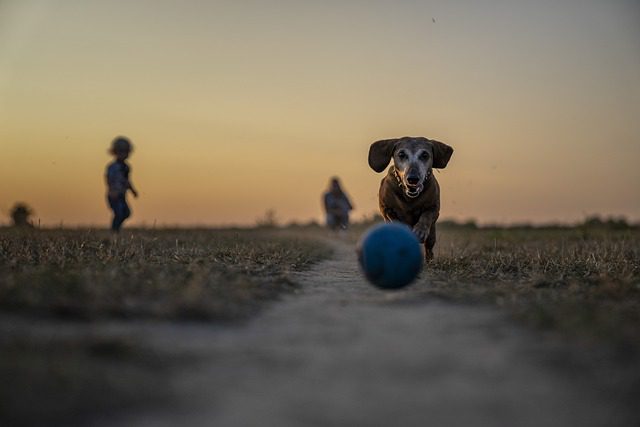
{"type": "Point", "coordinates": [580, 282]}
{"type": "Point", "coordinates": [179, 274]}
{"type": "Point", "coordinates": [56, 287]}
{"type": "Point", "coordinates": [583, 283]}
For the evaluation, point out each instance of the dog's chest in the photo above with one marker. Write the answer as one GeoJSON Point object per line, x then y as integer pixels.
{"type": "Point", "coordinates": [410, 215]}
{"type": "Point", "coordinates": [406, 211]}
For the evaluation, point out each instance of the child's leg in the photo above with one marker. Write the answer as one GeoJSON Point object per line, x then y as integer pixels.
{"type": "Point", "coordinates": [118, 217]}
{"type": "Point", "coordinates": [121, 212]}
{"type": "Point", "coordinates": [331, 221]}
{"type": "Point", "coordinates": [344, 221]}
{"type": "Point", "coordinates": [113, 204]}
{"type": "Point", "coordinates": [126, 212]}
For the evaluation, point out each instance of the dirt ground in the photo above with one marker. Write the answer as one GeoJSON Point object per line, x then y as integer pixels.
{"type": "Point", "coordinates": [343, 353]}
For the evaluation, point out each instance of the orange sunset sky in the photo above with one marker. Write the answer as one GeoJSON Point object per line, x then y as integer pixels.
{"type": "Point", "coordinates": [236, 107]}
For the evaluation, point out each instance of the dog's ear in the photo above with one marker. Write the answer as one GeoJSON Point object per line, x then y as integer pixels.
{"type": "Point", "coordinates": [441, 154]}
{"type": "Point", "coordinates": [380, 153]}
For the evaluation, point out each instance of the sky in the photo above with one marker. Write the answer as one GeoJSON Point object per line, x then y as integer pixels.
{"type": "Point", "coordinates": [235, 107]}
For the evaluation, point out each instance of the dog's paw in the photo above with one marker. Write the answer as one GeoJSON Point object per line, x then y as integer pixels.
{"type": "Point", "coordinates": [420, 233]}
{"type": "Point", "coordinates": [428, 255]}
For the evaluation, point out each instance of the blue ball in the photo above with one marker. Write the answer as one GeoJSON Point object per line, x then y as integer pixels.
{"type": "Point", "coordinates": [390, 255]}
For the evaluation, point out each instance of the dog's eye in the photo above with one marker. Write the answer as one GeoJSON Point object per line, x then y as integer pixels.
{"type": "Point", "coordinates": [402, 155]}
{"type": "Point", "coordinates": [424, 157]}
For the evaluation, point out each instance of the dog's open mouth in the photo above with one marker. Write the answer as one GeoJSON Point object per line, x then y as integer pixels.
{"type": "Point", "coordinates": [413, 190]}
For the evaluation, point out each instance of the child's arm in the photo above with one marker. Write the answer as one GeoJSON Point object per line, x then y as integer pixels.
{"type": "Point", "coordinates": [133, 190]}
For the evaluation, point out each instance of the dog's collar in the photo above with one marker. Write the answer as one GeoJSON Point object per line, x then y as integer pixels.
{"type": "Point", "coordinates": [399, 180]}
{"type": "Point", "coordinates": [396, 176]}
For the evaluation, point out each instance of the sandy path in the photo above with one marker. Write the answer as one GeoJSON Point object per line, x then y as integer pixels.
{"type": "Point", "coordinates": [343, 353]}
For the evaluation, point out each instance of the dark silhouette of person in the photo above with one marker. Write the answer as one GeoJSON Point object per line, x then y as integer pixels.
{"type": "Point", "coordinates": [337, 206]}
{"type": "Point", "coordinates": [20, 215]}
{"type": "Point", "coordinates": [118, 181]}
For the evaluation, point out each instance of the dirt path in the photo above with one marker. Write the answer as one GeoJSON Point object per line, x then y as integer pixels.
{"type": "Point", "coordinates": [343, 353]}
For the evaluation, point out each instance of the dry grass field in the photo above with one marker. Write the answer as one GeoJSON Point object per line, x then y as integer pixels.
{"type": "Point", "coordinates": [168, 274]}
{"type": "Point", "coordinates": [58, 367]}
{"type": "Point", "coordinates": [576, 279]}
{"type": "Point", "coordinates": [582, 283]}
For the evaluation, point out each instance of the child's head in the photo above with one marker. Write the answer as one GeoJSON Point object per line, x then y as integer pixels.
{"type": "Point", "coordinates": [121, 147]}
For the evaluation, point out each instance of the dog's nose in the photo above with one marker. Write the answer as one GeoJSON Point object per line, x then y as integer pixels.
{"type": "Point", "coordinates": [413, 180]}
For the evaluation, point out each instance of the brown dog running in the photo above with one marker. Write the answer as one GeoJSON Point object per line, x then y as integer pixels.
{"type": "Point", "coordinates": [409, 193]}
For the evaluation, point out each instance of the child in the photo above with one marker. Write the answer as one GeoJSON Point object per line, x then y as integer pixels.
{"type": "Point", "coordinates": [118, 182]}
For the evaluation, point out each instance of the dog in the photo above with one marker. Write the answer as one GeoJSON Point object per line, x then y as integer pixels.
{"type": "Point", "coordinates": [410, 193]}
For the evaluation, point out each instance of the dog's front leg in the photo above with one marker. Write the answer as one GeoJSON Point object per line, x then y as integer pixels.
{"type": "Point", "coordinates": [388, 214]}
{"type": "Point", "coordinates": [423, 226]}
{"type": "Point", "coordinates": [425, 230]}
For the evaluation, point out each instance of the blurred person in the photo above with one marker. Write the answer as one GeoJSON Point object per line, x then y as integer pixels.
{"type": "Point", "coordinates": [337, 206]}
{"type": "Point", "coordinates": [21, 214]}
{"type": "Point", "coordinates": [118, 182]}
